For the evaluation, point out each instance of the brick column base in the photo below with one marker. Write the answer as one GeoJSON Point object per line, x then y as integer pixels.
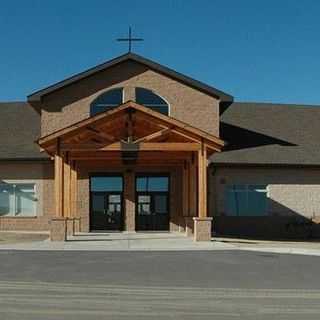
{"type": "Point", "coordinates": [70, 226]}
{"type": "Point", "coordinates": [77, 225]}
{"type": "Point", "coordinates": [189, 226]}
{"type": "Point", "coordinates": [58, 229]}
{"type": "Point", "coordinates": [202, 228]}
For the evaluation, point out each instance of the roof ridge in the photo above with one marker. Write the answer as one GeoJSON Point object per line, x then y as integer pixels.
{"type": "Point", "coordinates": [36, 96]}
{"type": "Point", "coordinates": [276, 104]}
{"type": "Point", "coordinates": [11, 102]}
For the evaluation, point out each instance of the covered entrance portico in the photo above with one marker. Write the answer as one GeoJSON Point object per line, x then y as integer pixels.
{"type": "Point", "coordinates": [130, 168]}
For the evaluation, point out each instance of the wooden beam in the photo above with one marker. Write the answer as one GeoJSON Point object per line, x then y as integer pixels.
{"type": "Point", "coordinates": [101, 134]}
{"type": "Point", "coordinates": [185, 189]}
{"type": "Point", "coordinates": [164, 120]}
{"type": "Point", "coordinates": [73, 189]}
{"type": "Point", "coordinates": [146, 146]}
{"type": "Point", "coordinates": [147, 156]}
{"type": "Point", "coordinates": [119, 164]}
{"type": "Point", "coordinates": [129, 126]}
{"type": "Point", "coordinates": [66, 186]}
{"type": "Point", "coordinates": [202, 182]}
{"type": "Point", "coordinates": [158, 119]}
{"type": "Point", "coordinates": [58, 181]}
{"type": "Point", "coordinates": [192, 187]}
{"type": "Point", "coordinates": [152, 136]}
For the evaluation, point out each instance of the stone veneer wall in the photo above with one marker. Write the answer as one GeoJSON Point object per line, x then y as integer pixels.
{"type": "Point", "coordinates": [26, 172]}
{"type": "Point", "coordinates": [293, 199]}
{"type": "Point", "coordinates": [72, 104]}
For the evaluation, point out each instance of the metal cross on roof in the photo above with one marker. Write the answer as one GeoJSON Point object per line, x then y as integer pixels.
{"type": "Point", "coordinates": [130, 39]}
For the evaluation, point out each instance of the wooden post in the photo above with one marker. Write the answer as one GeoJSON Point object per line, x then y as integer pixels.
{"type": "Point", "coordinates": [192, 187]}
{"type": "Point", "coordinates": [202, 181]}
{"type": "Point", "coordinates": [129, 200]}
{"type": "Point", "coordinates": [73, 189]}
{"type": "Point", "coordinates": [202, 223]}
{"type": "Point", "coordinates": [129, 125]}
{"type": "Point", "coordinates": [185, 189]}
{"type": "Point", "coordinates": [58, 181]}
{"type": "Point", "coordinates": [66, 185]}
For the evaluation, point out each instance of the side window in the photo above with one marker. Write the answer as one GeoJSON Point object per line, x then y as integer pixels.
{"type": "Point", "coordinates": [18, 199]}
{"type": "Point", "coordinates": [107, 101]}
{"type": "Point", "coordinates": [246, 200]}
{"type": "Point", "coordinates": [151, 100]}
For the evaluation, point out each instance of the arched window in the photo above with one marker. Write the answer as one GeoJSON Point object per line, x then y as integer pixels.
{"type": "Point", "coordinates": [107, 101]}
{"type": "Point", "coordinates": [151, 100]}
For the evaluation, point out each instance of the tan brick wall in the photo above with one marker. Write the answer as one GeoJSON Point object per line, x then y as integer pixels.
{"type": "Point", "coordinates": [72, 104]}
{"type": "Point", "coordinates": [293, 194]}
{"type": "Point", "coordinates": [202, 229]}
{"type": "Point", "coordinates": [58, 229]}
{"type": "Point", "coordinates": [42, 175]}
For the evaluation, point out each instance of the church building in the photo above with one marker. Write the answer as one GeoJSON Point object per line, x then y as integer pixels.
{"type": "Point", "coordinates": [131, 145]}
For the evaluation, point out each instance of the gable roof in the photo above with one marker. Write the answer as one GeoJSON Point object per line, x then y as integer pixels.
{"type": "Point", "coordinates": [19, 128]}
{"type": "Point", "coordinates": [175, 124]}
{"type": "Point", "coordinates": [36, 96]}
{"type": "Point", "coordinates": [269, 134]}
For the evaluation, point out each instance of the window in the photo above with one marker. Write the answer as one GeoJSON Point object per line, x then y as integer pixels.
{"type": "Point", "coordinates": [17, 199]}
{"type": "Point", "coordinates": [246, 200]}
{"type": "Point", "coordinates": [106, 184]}
{"type": "Point", "coordinates": [152, 184]}
{"type": "Point", "coordinates": [151, 100]}
{"type": "Point", "coordinates": [107, 101]}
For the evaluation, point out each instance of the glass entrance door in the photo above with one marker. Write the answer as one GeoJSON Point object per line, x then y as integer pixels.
{"type": "Point", "coordinates": [152, 199]}
{"type": "Point", "coordinates": [106, 203]}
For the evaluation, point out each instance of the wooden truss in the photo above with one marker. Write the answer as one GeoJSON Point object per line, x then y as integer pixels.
{"type": "Point", "coordinates": [152, 138]}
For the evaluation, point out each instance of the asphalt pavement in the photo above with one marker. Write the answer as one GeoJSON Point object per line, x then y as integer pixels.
{"type": "Point", "coordinates": [158, 285]}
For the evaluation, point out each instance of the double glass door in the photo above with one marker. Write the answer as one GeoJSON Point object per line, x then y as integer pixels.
{"type": "Point", "coordinates": [106, 203]}
{"type": "Point", "coordinates": [152, 202]}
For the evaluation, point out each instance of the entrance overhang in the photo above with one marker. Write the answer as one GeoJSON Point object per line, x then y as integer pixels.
{"type": "Point", "coordinates": [127, 135]}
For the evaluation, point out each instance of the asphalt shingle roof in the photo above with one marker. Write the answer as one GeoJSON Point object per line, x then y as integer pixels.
{"type": "Point", "coordinates": [271, 134]}
{"type": "Point", "coordinates": [256, 133]}
{"type": "Point", "coordinates": [19, 128]}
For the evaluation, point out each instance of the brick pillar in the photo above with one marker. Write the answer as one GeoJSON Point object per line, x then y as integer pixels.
{"type": "Point", "coordinates": [77, 225]}
{"type": "Point", "coordinates": [202, 228]}
{"type": "Point", "coordinates": [70, 226]}
{"type": "Point", "coordinates": [129, 201]}
{"type": "Point", "coordinates": [58, 229]}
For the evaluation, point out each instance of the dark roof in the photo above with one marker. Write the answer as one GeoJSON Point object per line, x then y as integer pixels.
{"type": "Point", "coordinates": [19, 128]}
{"type": "Point", "coordinates": [270, 134]}
{"type": "Point", "coordinates": [36, 96]}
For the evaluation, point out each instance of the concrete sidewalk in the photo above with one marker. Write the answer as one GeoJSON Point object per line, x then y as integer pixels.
{"type": "Point", "coordinates": [153, 241]}
{"type": "Point", "coordinates": [273, 246]}
{"type": "Point", "coordinates": [150, 241]}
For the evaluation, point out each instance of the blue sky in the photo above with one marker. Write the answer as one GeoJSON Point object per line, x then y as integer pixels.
{"type": "Point", "coordinates": [264, 51]}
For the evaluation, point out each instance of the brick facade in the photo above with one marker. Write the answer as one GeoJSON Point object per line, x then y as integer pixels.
{"type": "Point", "coordinates": [41, 174]}
{"type": "Point", "coordinates": [72, 104]}
{"type": "Point", "coordinates": [293, 202]}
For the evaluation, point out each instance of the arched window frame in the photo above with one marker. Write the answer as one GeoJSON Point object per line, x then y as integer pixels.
{"type": "Point", "coordinates": [109, 106]}
{"type": "Point", "coordinates": [156, 94]}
